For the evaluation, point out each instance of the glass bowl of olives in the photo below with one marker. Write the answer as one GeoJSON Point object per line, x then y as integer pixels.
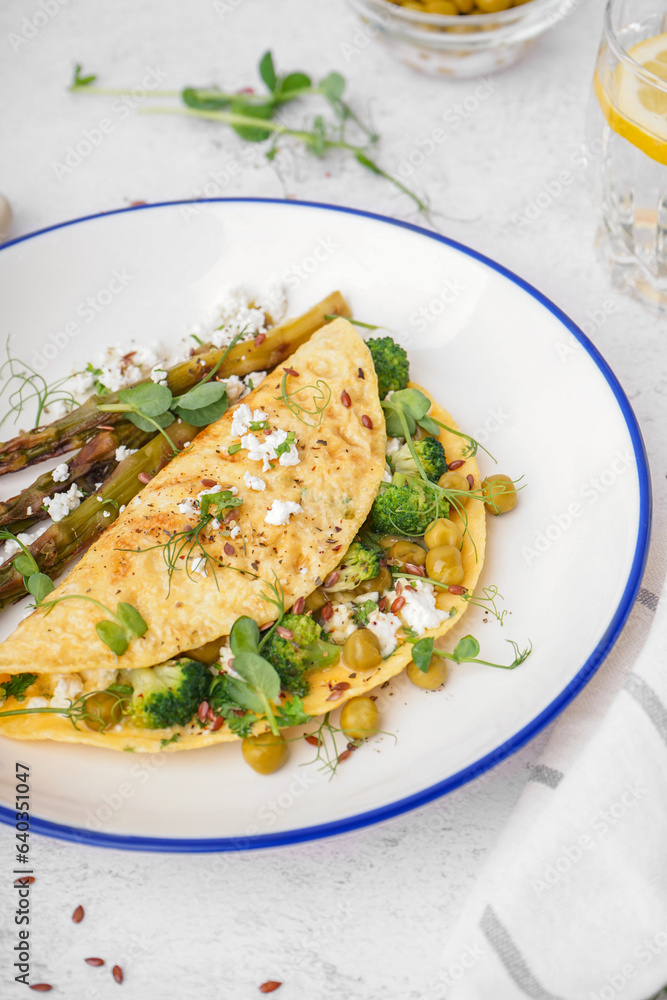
{"type": "Point", "coordinates": [457, 38]}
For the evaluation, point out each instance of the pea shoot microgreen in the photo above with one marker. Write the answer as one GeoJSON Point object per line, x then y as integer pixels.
{"type": "Point", "coordinates": [256, 117]}
{"type": "Point", "coordinates": [79, 709]}
{"type": "Point", "coordinates": [465, 651]}
{"type": "Point", "coordinates": [328, 755]}
{"type": "Point", "coordinates": [318, 397]}
{"type": "Point", "coordinates": [116, 631]}
{"type": "Point", "coordinates": [23, 386]}
{"type": "Point", "coordinates": [35, 582]}
{"type": "Point", "coordinates": [187, 546]}
{"type": "Point", "coordinates": [151, 407]}
{"type": "Point", "coordinates": [488, 600]}
{"type": "Point", "coordinates": [407, 409]}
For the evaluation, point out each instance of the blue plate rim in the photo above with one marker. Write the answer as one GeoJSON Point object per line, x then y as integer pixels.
{"type": "Point", "coordinates": [547, 715]}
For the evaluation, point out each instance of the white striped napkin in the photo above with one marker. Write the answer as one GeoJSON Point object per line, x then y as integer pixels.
{"type": "Point", "coordinates": [572, 903]}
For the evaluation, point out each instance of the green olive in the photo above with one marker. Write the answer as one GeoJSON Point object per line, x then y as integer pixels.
{"type": "Point", "coordinates": [408, 552]}
{"type": "Point", "coordinates": [359, 718]}
{"type": "Point", "coordinates": [106, 710]}
{"type": "Point", "coordinates": [316, 600]}
{"type": "Point", "coordinates": [383, 581]}
{"type": "Point", "coordinates": [435, 676]}
{"type": "Point", "coordinates": [455, 481]}
{"type": "Point", "coordinates": [444, 564]}
{"type": "Point", "coordinates": [443, 532]}
{"type": "Point", "coordinates": [208, 653]}
{"type": "Point", "coordinates": [265, 753]}
{"type": "Point", "coordinates": [464, 6]}
{"type": "Point", "coordinates": [499, 494]}
{"type": "Point", "coordinates": [362, 650]}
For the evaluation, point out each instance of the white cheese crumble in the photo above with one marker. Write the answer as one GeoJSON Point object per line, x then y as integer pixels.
{"type": "Point", "coordinates": [67, 689]}
{"type": "Point", "coordinates": [98, 680]}
{"type": "Point", "coordinates": [10, 548]}
{"type": "Point", "coordinates": [419, 611]}
{"type": "Point", "coordinates": [36, 703]}
{"type": "Point", "coordinates": [158, 375]}
{"type": "Point", "coordinates": [341, 624]}
{"type": "Point", "coordinates": [106, 513]}
{"type": "Point", "coordinates": [393, 445]}
{"type": "Point", "coordinates": [243, 417]}
{"type": "Point", "coordinates": [198, 565]}
{"type": "Point", "coordinates": [188, 506]}
{"type": "Point", "coordinates": [235, 529]}
{"type": "Point", "coordinates": [281, 511]}
{"type": "Point", "coordinates": [254, 482]}
{"type": "Point", "coordinates": [266, 451]}
{"type": "Point", "coordinates": [384, 627]}
{"type": "Point", "coordinates": [60, 504]}
{"type": "Point", "coordinates": [387, 475]}
{"type": "Point", "coordinates": [122, 452]}
{"type": "Point", "coordinates": [61, 473]}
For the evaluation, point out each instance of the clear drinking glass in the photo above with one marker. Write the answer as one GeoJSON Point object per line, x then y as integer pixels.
{"type": "Point", "coordinates": [627, 135]}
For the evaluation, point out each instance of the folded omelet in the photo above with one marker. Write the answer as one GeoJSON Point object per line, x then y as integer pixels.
{"type": "Point", "coordinates": [299, 514]}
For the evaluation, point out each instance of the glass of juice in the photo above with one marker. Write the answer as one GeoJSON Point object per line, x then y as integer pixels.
{"type": "Point", "coordinates": [627, 134]}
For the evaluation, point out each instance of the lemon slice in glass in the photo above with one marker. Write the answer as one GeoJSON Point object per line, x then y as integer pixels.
{"type": "Point", "coordinates": [636, 108]}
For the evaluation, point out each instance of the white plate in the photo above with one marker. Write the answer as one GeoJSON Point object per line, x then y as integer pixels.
{"type": "Point", "coordinates": [513, 370]}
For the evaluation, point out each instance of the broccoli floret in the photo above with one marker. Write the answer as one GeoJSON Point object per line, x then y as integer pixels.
{"type": "Point", "coordinates": [406, 510]}
{"type": "Point", "coordinates": [362, 612]}
{"type": "Point", "coordinates": [168, 695]}
{"type": "Point", "coordinates": [359, 563]}
{"type": "Point", "coordinates": [391, 365]}
{"type": "Point", "coordinates": [293, 655]}
{"type": "Point", "coordinates": [431, 454]}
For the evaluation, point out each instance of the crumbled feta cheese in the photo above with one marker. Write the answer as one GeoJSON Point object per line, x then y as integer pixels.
{"type": "Point", "coordinates": [186, 444]}
{"type": "Point", "coordinates": [341, 624]}
{"type": "Point", "coordinates": [265, 451]}
{"type": "Point", "coordinates": [419, 611]}
{"type": "Point", "coordinates": [158, 375]}
{"type": "Point", "coordinates": [188, 506]}
{"type": "Point", "coordinates": [100, 499]}
{"type": "Point", "coordinates": [385, 627]}
{"type": "Point", "coordinates": [362, 598]}
{"type": "Point", "coordinates": [254, 482]}
{"type": "Point", "coordinates": [98, 680]}
{"type": "Point", "coordinates": [60, 504]}
{"type": "Point", "coordinates": [36, 703]}
{"type": "Point", "coordinates": [198, 565]}
{"type": "Point", "coordinates": [393, 445]}
{"type": "Point", "coordinates": [81, 383]}
{"type": "Point", "coordinates": [235, 529]}
{"type": "Point", "coordinates": [11, 547]}
{"type": "Point", "coordinates": [68, 688]}
{"type": "Point", "coordinates": [106, 513]}
{"type": "Point", "coordinates": [122, 508]}
{"type": "Point", "coordinates": [281, 511]}
{"type": "Point", "coordinates": [61, 473]}
{"type": "Point", "coordinates": [236, 387]}
{"type": "Point", "coordinates": [254, 379]}
{"type": "Point", "coordinates": [238, 312]}
{"type": "Point", "coordinates": [29, 511]}
{"type": "Point", "coordinates": [387, 475]}
{"type": "Point", "coordinates": [243, 417]}
{"type": "Point", "coordinates": [122, 452]}
{"type": "Point", "coordinates": [212, 489]}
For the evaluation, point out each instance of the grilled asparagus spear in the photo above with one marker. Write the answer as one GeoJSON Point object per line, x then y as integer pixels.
{"type": "Point", "coordinates": [76, 428]}
{"type": "Point", "coordinates": [89, 466]}
{"type": "Point", "coordinates": [65, 539]}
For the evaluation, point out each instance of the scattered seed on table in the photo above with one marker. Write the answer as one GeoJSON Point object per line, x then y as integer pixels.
{"type": "Point", "coordinates": [95, 961]}
{"type": "Point", "coordinates": [117, 973]}
{"type": "Point", "coordinates": [78, 914]}
{"type": "Point", "coordinates": [270, 986]}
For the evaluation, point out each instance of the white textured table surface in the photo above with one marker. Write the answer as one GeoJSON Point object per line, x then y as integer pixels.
{"type": "Point", "coordinates": [364, 916]}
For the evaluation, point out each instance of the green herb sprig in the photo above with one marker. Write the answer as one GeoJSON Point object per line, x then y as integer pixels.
{"type": "Point", "coordinates": [465, 651]}
{"type": "Point", "coordinates": [77, 711]}
{"type": "Point", "coordinates": [116, 631]}
{"type": "Point", "coordinates": [16, 686]}
{"type": "Point", "coordinates": [184, 546]}
{"type": "Point", "coordinates": [23, 386]}
{"type": "Point", "coordinates": [319, 399]}
{"type": "Point", "coordinates": [254, 117]}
